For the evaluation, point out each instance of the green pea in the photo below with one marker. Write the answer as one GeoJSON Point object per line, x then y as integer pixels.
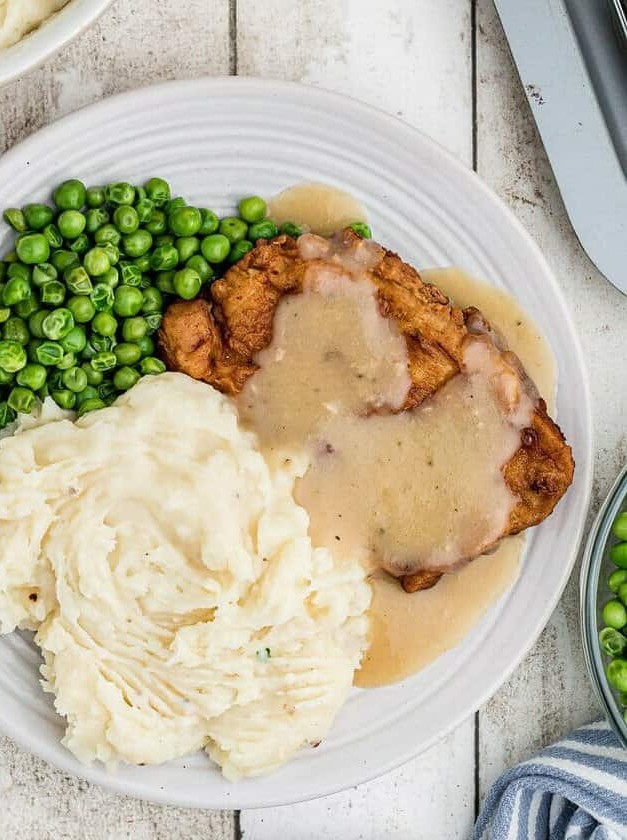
{"type": "Point", "coordinates": [616, 579]}
{"type": "Point", "coordinates": [154, 322]}
{"type": "Point", "coordinates": [35, 323]}
{"type": "Point", "coordinates": [95, 219]}
{"type": "Point", "coordinates": [75, 379]}
{"type": "Point", "coordinates": [37, 216]}
{"type": "Point", "coordinates": [146, 346]}
{"type": "Point", "coordinates": [157, 223]}
{"type": "Point", "coordinates": [187, 283]}
{"type": "Point", "coordinates": [616, 671]}
{"type": "Point", "coordinates": [128, 301]}
{"type": "Point", "coordinates": [151, 366]}
{"type": "Point", "coordinates": [614, 614]}
{"type": "Point", "coordinates": [265, 229]}
{"type": "Point", "coordinates": [71, 224]}
{"type": "Point", "coordinates": [107, 392]}
{"type": "Point", "coordinates": [6, 378]}
{"type": "Point", "coordinates": [15, 329]}
{"type": "Point", "coordinates": [215, 248]}
{"type": "Point", "coordinates": [618, 555]}
{"type": "Point", "coordinates": [158, 191]}
{"type": "Point", "coordinates": [165, 282]}
{"type": "Point", "coordinates": [16, 289]}
{"type": "Point", "coordinates": [112, 251]}
{"type": "Point", "coordinates": [174, 204]}
{"type": "Point", "coordinates": [5, 314]}
{"type": "Point", "coordinates": [81, 244]}
{"type": "Point", "coordinates": [184, 221]}
{"type": "Point", "coordinates": [10, 257]}
{"type": "Point", "coordinates": [127, 353]}
{"type": "Point", "coordinates": [239, 250]}
{"type": "Point", "coordinates": [144, 209]}
{"type": "Point", "coordinates": [64, 399]}
{"type": "Point", "coordinates": [12, 356]}
{"type": "Point", "coordinates": [49, 353]}
{"type": "Point", "coordinates": [136, 244]}
{"type": "Point", "coordinates": [68, 360]}
{"type": "Point", "coordinates": [32, 248]}
{"type": "Point", "coordinates": [140, 194]}
{"type": "Point", "coordinates": [200, 265]}
{"type": "Point", "coordinates": [94, 377]}
{"type": "Point", "coordinates": [111, 277]}
{"type": "Point", "coordinates": [95, 197]}
{"type": "Point", "coordinates": [7, 415]}
{"type": "Point", "coordinates": [143, 264]}
{"type": "Point", "coordinates": [622, 593]}
{"type": "Point", "coordinates": [126, 219]}
{"type": "Point", "coordinates": [362, 229]}
{"type": "Point", "coordinates": [619, 528]}
{"type": "Point", "coordinates": [32, 376]}
{"type": "Point", "coordinates": [134, 328]}
{"type": "Point", "coordinates": [62, 260]}
{"type": "Point", "coordinates": [104, 324]}
{"type": "Point", "coordinates": [70, 195]}
{"type": "Point", "coordinates": [209, 222]}
{"type": "Point", "coordinates": [57, 324]}
{"type": "Point", "coordinates": [102, 343]}
{"type": "Point", "coordinates": [102, 297]}
{"type": "Point", "coordinates": [108, 233]}
{"type": "Point", "coordinates": [77, 280]}
{"type": "Point", "coordinates": [18, 269]}
{"type": "Point", "coordinates": [31, 348]}
{"type": "Point", "coordinates": [164, 239]}
{"type": "Point", "coordinates": [43, 392]}
{"type": "Point", "coordinates": [96, 262]}
{"type": "Point", "coordinates": [131, 275]}
{"type": "Point", "coordinates": [153, 300]}
{"type": "Point", "coordinates": [90, 405]}
{"type": "Point", "coordinates": [164, 258]}
{"type": "Point", "coordinates": [21, 400]}
{"type": "Point", "coordinates": [44, 273]}
{"type": "Point", "coordinates": [88, 393]}
{"type": "Point", "coordinates": [252, 209]}
{"type": "Point", "coordinates": [81, 308]}
{"type": "Point", "coordinates": [612, 642]}
{"type": "Point", "coordinates": [290, 229]}
{"type": "Point", "coordinates": [125, 378]}
{"type": "Point", "coordinates": [104, 361]}
{"type": "Point", "coordinates": [53, 293]}
{"type": "Point", "coordinates": [14, 217]}
{"type": "Point", "coordinates": [53, 235]}
{"type": "Point", "coordinates": [25, 308]}
{"type": "Point", "coordinates": [75, 341]}
{"type": "Point", "coordinates": [120, 193]}
{"type": "Point", "coordinates": [234, 229]}
{"type": "Point", "coordinates": [187, 246]}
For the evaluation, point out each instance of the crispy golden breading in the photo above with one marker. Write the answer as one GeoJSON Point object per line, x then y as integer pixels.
{"type": "Point", "coordinates": [216, 341]}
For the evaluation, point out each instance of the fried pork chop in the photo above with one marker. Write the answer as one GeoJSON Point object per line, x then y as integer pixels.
{"type": "Point", "coordinates": [216, 340]}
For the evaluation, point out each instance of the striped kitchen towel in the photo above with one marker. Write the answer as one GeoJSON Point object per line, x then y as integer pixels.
{"type": "Point", "coordinates": [575, 789]}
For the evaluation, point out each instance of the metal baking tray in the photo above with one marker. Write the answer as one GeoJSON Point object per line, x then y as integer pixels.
{"type": "Point", "coordinates": [574, 72]}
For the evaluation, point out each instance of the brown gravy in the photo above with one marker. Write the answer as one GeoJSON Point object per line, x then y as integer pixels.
{"type": "Point", "coordinates": [319, 208]}
{"type": "Point", "coordinates": [402, 491]}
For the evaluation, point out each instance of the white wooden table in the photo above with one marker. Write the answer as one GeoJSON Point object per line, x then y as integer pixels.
{"type": "Point", "coordinates": [443, 66]}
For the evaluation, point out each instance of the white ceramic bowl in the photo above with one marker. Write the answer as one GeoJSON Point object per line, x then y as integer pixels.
{"type": "Point", "coordinates": [53, 34]}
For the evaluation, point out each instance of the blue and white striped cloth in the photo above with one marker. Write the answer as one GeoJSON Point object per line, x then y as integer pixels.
{"type": "Point", "coordinates": [574, 790]}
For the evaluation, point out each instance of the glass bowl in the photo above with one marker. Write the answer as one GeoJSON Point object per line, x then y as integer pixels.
{"type": "Point", "coordinates": [595, 571]}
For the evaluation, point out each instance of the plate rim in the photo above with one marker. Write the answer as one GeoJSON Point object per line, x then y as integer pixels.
{"type": "Point", "coordinates": [65, 760]}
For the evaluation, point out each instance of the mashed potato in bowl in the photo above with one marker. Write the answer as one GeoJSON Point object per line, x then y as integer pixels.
{"type": "Point", "coordinates": [177, 598]}
{"type": "Point", "coordinates": [19, 17]}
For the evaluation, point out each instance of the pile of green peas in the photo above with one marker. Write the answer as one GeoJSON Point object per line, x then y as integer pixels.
{"type": "Point", "coordinates": [83, 292]}
{"type": "Point", "coordinates": [613, 636]}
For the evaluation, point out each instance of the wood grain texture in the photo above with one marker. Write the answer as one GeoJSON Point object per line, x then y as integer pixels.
{"type": "Point", "coordinates": [549, 694]}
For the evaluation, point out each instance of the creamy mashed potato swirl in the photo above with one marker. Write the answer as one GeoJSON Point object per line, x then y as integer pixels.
{"type": "Point", "coordinates": [19, 17]}
{"type": "Point", "coordinates": [177, 598]}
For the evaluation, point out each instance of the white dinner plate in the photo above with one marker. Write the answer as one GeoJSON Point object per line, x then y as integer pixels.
{"type": "Point", "coordinates": [216, 140]}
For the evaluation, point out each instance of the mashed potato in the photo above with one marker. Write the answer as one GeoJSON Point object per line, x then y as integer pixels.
{"type": "Point", "coordinates": [19, 17]}
{"type": "Point", "coordinates": [177, 598]}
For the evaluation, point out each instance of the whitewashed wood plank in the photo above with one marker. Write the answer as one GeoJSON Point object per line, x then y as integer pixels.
{"type": "Point", "coordinates": [411, 58]}
{"type": "Point", "coordinates": [408, 57]}
{"type": "Point", "coordinates": [132, 45]}
{"type": "Point", "coordinates": [550, 693]}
